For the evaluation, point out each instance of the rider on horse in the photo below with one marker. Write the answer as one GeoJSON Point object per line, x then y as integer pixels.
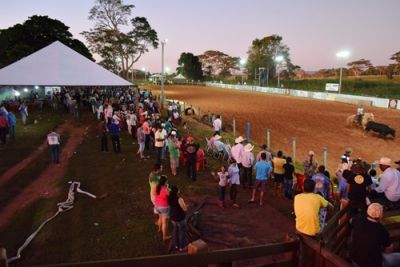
{"type": "Point", "coordinates": [360, 114]}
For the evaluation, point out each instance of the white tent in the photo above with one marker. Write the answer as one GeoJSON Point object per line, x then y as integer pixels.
{"type": "Point", "coordinates": [179, 77]}
{"type": "Point", "coordinates": [58, 65]}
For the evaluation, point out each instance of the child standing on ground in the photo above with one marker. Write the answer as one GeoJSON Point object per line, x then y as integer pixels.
{"type": "Point", "coordinates": [222, 177]}
{"type": "Point", "coordinates": [234, 180]}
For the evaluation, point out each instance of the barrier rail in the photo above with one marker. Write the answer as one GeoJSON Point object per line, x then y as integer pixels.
{"type": "Point", "coordinates": [351, 99]}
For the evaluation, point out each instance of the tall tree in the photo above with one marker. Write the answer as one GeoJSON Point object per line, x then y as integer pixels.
{"type": "Point", "coordinates": [218, 63]}
{"type": "Point", "coordinates": [358, 67]}
{"type": "Point", "coordinates": [262, 54]}
{"type": "Point", "coordinates": [190, 66]}
{"type": "Point", "coordinates": [35, 33]}
{"type": "Point", "coordinates": [115, 46]}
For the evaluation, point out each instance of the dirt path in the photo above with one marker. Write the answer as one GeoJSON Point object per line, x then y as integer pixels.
{"type": "Point", "coordinates": [45, 184]}
{"type": "Point", "coordinates": [11, 172]}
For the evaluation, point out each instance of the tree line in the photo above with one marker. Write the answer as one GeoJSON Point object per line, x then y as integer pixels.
{"type": "Point", "coordinates": [121, 39]}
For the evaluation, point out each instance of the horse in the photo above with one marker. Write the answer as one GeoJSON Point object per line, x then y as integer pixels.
{"type": "Point", "coordinates": [352, 119]}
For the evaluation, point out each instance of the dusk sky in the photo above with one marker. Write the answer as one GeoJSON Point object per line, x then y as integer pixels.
{"type": "Point", "coordinates": [314, 30]}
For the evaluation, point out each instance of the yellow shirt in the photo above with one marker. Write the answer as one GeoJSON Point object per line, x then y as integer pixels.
{"type": "Point", "coordinates": [278, 165]}
{"type": "Point", "coordinates": [306, 209]}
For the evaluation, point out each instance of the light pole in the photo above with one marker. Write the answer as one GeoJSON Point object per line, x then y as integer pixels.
{"type": "Point", "coordinates": [145, 72]}
{"type": "Point", "coordinates": [260, 70]}
{"type": "Point", "coordinates": [162, 71]}
{"type": "Point", "coordinates": [278, 59]}
{"type": "Point", "coordinates": [342, 55]}
{"type": "Point", "coordinates": [242, 64]}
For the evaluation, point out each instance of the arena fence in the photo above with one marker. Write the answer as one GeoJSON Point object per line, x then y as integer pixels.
{"type": "Point", "coordinates": [207, 117]}
{"type": "Point", "coordinates": [351, 99]}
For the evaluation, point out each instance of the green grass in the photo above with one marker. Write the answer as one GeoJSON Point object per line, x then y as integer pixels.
{"type": "Point", "coordinates": [28, 137]}
{"type": "Point", "coordinates": [125, 219]}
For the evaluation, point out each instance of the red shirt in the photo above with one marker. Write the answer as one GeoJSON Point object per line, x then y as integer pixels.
{"type": "Point", "coordinates": [161, 200]}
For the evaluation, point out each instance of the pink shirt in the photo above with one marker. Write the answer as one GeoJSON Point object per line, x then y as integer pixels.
{"type": "Point", "coordinates": [237, 152]}
{"type": "Point", "coordinates": [146, 128]}
{"type": "Point", "coordinates": [247, 159]}
{"type": "Point", "coordinates": [161, 200]}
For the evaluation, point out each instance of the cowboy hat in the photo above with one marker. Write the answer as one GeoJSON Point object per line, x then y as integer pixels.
{"type": "Point", "coordinates": [217, 137]}
{"type": "Point", "coordinates": [248, 147]}
{"type": "Point", "coordinates": [385, 161]}
{"type": "Point", "coordinates": [239, 140]}
{"type": "Point", "coordinates": [375, 211]}
{"type": "Point", "coordinates": [311, 153]}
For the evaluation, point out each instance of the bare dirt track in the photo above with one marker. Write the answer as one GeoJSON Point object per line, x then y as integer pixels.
{"type": "Point", "coordinates": [314, 123]}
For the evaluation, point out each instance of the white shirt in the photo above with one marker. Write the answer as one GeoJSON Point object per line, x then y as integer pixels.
{"type": "Point", "coordinates": [360, 111]}
{"type": "Point", "coordinates": [223, 178]}
{"type": "Point", "coordinates": [237, 152]}
{"type": "Point", "coordinates": [217, 124]}
{"type": "Point", "coordinates": [233, 172]}
{"type": "Point", "coordinates": [133, 119]}
{"type": "Point", "coordinates": [390, 184]}
{"type": "Point", "coordinates": [159, 135]}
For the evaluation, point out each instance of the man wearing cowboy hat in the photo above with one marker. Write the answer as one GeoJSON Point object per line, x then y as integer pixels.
{"type": "Point", "coordinates": [237, 151]}
{"type": "Point", "coordinates": [217, 125]}
{"type": "Point", "coordinates": [247, 163]}
{"type": "Point", "coordinates": [370, 242]}
{"type": "Point", "coordinates": [389, 185]}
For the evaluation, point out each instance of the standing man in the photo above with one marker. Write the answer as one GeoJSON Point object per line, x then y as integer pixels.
{"type": "Point", "coordinates": [3, 128]}
{"type": "Point", "coordinates": [306, 209]}
{"type": "Point", "coordinates": [310, 165]}
{"type": "Point", "coordinates": [113, 128]}
{"type": "Point", "coordinates": [263, 172]}
{"type": "Point", "coordinates": [147, 132]}
{"type": "Point", "coordinates": [23, 111]}
{"type": "Point", "coordinates": [12, 121]}
{"type": "Point", "coordinates": [237, 151]}
{"type": "Point", "coordinates": [54, 141]}
{"type": "Point", "coordinates": [217, 125]}
{"type": "Point", "coordinates": [191, 151]}
{"type": "Point", "coordinates": [264, 150]}
{"type": "Point", "coordinates": [247, 164]}
{"type": "Point", "coordinates": [103, 131]}
{"type": "Point", "coordinates": [159, 136]}
{"type": "Point", "coordinates": [279, 172]}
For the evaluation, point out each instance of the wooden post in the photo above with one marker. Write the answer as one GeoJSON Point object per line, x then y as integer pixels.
{"type": "Point", "coordinates": [294, 149]}
{"type": "Point", "coordinates": [248, 132]}
{"type": "Point", "coordinates": [325, 156]}
{"type": "Point", "coordinates": [3, 258]}
{"type": "Point", "coordinates": [199, 112]}
{"type": "Point", "coordinates": [234, 127]}
{"type": "Point", "coordinates": [269, 139]}
{"type": "Point", "coordinates": [209, 117]}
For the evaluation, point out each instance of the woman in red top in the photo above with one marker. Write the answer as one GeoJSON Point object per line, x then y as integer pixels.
{"type": "Point", "coordinates": [161, 205]}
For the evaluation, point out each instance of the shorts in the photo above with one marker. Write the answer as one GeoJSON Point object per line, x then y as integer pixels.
{"type": "Point", "coordinates": [141, 146]}
{"type": "Point", "coordinates": [279, 178]}
{"type": "Point", "coordinates": [162, 211]}
{"type": "Point", "coordinates": [260, 185]}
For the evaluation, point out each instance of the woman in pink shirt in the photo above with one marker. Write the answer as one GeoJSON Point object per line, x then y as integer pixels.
{"type": "Point", "coordinates": [161, 205]}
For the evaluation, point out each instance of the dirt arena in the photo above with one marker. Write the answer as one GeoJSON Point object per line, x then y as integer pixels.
{"type": "Point", "coordinates": [314, 123]}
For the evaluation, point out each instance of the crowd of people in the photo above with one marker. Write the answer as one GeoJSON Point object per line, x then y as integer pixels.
{"type": "Point", "coordinates": [138, 113]}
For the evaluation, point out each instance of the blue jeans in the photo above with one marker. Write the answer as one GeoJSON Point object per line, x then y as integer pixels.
{"type": "Point", "coordinates": [55, 153]}
{"type": "Point", "coordinates": [288, 187]}
{"type": "Point", "coordinates": [221, 193]}
{"type": "Point", "coordinates": [179, 233]}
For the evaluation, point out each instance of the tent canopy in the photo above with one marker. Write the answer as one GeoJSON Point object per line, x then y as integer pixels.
{"type": "Point", "coordinates": [179, 77]}
{"type": "Point", "coordinates": [58, 65]}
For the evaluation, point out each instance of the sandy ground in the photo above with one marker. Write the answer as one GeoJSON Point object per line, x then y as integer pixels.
{"type": "Point", "coordinates": [314, 123]}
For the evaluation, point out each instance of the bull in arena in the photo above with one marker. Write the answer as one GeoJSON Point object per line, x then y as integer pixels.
{"type": "Point", "coordinates": [352, 119]}
{"type": "Point", "coordinates": [382, 129]}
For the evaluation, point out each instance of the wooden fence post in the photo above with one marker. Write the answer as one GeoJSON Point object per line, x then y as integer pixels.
{"type": "Point", "coordinates": [248, 132]}
{"type": "Point", "coordinates": [269, 139]}
{"type": "Point", "coordinates": [234, 127]}
{"type": "Point", "coordinates": [3, 258]}
{"type": "Point", "coordinates": [294, 149]}
{"type": "Point", "coordinates": [325, 156]}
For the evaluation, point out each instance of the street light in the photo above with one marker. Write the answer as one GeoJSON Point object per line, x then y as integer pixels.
{"type": "Point", "coordinates": [145, 72]}
{"type": "Point", "coordinates": [342, 55]}
{"type": "Point", "coordinates": [162, 71]}
{"type": "Point", "coordinates": [243, 62]}
{"type": "Point", "coordinates": [279, 59]}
